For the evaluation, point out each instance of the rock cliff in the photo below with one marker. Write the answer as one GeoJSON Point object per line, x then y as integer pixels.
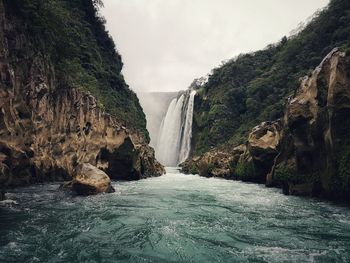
{"type": "Point", "coordinates": [47, 131]}
{"type": "Point", "coordinates": [315, 147]}
{"type": "Point", "coordinates": [261, 149]}
{"type": "Point", "coordinates": [305, 153]}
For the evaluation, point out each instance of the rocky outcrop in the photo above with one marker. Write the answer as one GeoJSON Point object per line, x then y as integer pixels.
{"type": "Point", "coordinates": [315, 153]}
{"type": "Point", "coordinates": [262, 148]}
{"type": "Point", "coordinates": [306, 153]}
{"type": "Point", "coordinates": [250, 162]}
{"type": "Point", "coordinates": [215, 163]}
{"type": "Point", "coordinates": [47, 130]}
{"type": "Point", "coordinates": [90, 180]}
{"type": "Point", "coordinates": [129, 161]}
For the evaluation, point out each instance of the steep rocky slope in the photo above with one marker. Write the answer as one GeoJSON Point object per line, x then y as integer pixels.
{"type": "Point", "coordinates": [306, 145]}
{"type": "Point", "coordinates": [252, 88]}
{"type": "Point", "coordinates": [49, 127]}
{"type": "Point", "coordinates": [315, 147]}
{"type": "Point", "coordinates": [305, 153]}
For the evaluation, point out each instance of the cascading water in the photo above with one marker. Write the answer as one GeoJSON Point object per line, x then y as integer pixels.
{"type": "Point", "coordinates": [168, 143]}
{"type": "Point", "coordinates": [174, 141]}
{"type": "Point", "coordinates": [187, 131]}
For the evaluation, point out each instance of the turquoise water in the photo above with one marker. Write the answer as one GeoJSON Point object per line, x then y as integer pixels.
{"type": "Point", "coordinates": [173, 218]}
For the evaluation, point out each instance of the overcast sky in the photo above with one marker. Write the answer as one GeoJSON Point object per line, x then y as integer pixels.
{"type": "Point", "coordinates": [165, 44]}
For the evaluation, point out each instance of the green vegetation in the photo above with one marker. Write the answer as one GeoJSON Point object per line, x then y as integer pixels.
{"type": "Point", "coordinates": [341, 183]}
{"type": "Point", "coordinates": [71, 36]}
{"type": "Point", "coordinates": [254, 87]}
{"type": "Point", "coordinates": [284, 174]}
{"type": "Point", "coordinates": [194, 169]}
{"type": "Point", "coordinates": [344, 170]}
{"type": "Point", "coordinates": [205, 169]}
{"type": "Point", "coordinates": [245, 171]}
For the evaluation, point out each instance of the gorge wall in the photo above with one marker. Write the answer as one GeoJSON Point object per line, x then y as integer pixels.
{"type": "Point", "coordinates": [314, 154]}
{"type": "Point", "coordinates": [49, 126]}
{"type": "Point", "coordinates": [301, 141]}
{"type": "Point", "coordinates": [251, 88]}
{"type": "Point", "coordinates": [307, 151]}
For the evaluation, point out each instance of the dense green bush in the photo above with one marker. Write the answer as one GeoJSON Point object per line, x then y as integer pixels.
{"type": "Point", "coordinates": [245, 171]}
{"type": "Point", "coordinates": [194, 169]}
{"type": "Point", "coordinates": [341, 183]}
{"type": "Point", "coordinates": [254, 87]}
{"type": "Point", "coordinates": [285, 174]}
{"type": "Point", "coordinates": [72, 36]}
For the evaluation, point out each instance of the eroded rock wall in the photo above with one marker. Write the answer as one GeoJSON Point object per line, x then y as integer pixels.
{"type": "Point", "coordinates": [47, 130]}
{"type": "Point", "coordinates": [315, 153]}
{"type": "Point", "coordinates": [306, 153]}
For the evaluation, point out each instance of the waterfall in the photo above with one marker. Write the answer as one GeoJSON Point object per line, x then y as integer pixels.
{"type": "Point", "coordinates": [174, 141]}
{"type": "Point", "coordinates": [187, 131]}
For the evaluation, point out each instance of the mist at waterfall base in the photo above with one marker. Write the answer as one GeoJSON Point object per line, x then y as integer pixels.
{"type": "Point", "coordinates": [172, 218]}
{"type": "Point", "coordinates": [174, 138]}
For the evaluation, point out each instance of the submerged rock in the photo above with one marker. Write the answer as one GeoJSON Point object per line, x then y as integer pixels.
{"type": "Point", "coordinates": [90, 181]}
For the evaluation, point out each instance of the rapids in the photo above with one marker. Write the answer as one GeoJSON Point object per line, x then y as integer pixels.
{"type": "Point", "coordinates": [173, 218]}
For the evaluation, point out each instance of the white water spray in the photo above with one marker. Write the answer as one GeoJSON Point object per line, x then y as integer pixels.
{"type": "Point", "coordinates": [174, 141]}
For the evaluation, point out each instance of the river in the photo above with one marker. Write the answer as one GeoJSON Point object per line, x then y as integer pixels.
{"type": "Point", "coordinates": [173, 218]}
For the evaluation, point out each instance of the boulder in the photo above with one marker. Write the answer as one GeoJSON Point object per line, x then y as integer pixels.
{"type": "Point", "coordinates": [261, 149]}
{"type": "Point", "coordinates": [215, 163]}
{"type": "Point", "coordinates": [91, 181]}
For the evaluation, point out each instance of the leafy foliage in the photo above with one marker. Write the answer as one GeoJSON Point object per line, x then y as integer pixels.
{"type": "Point", "coordinates": [284, 174]}
{"type": "Point", "coordinates": [342, 182]}
{"type": "Point", "coordinates": [254, 87]}
{"type": "Point", "coordinates": [73, 37]}
{"type": "Point", "coordinates": [245, 171]}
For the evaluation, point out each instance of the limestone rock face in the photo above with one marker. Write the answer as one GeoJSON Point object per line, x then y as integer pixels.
{"type": "Point", "coordinates": [262, 148]}
{"type": "Point", "coordinates": [47, 131]}
{"type": "Point", "coordinates": [308, 152]}
{"type": "Point", "coordinates": [315, 152]}
{"type": "Point", "coordinates": [215, 163]}
{"type": "Point", "coordinates": [265, 136]}
{"type": "Point", "coordinates": [91, 180]}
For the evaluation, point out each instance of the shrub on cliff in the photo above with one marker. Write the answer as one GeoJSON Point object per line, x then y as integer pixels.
{"type": "Point", "coordinates": [341, 183]}
{"type": "Point", "coordinates": [245, 171]}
